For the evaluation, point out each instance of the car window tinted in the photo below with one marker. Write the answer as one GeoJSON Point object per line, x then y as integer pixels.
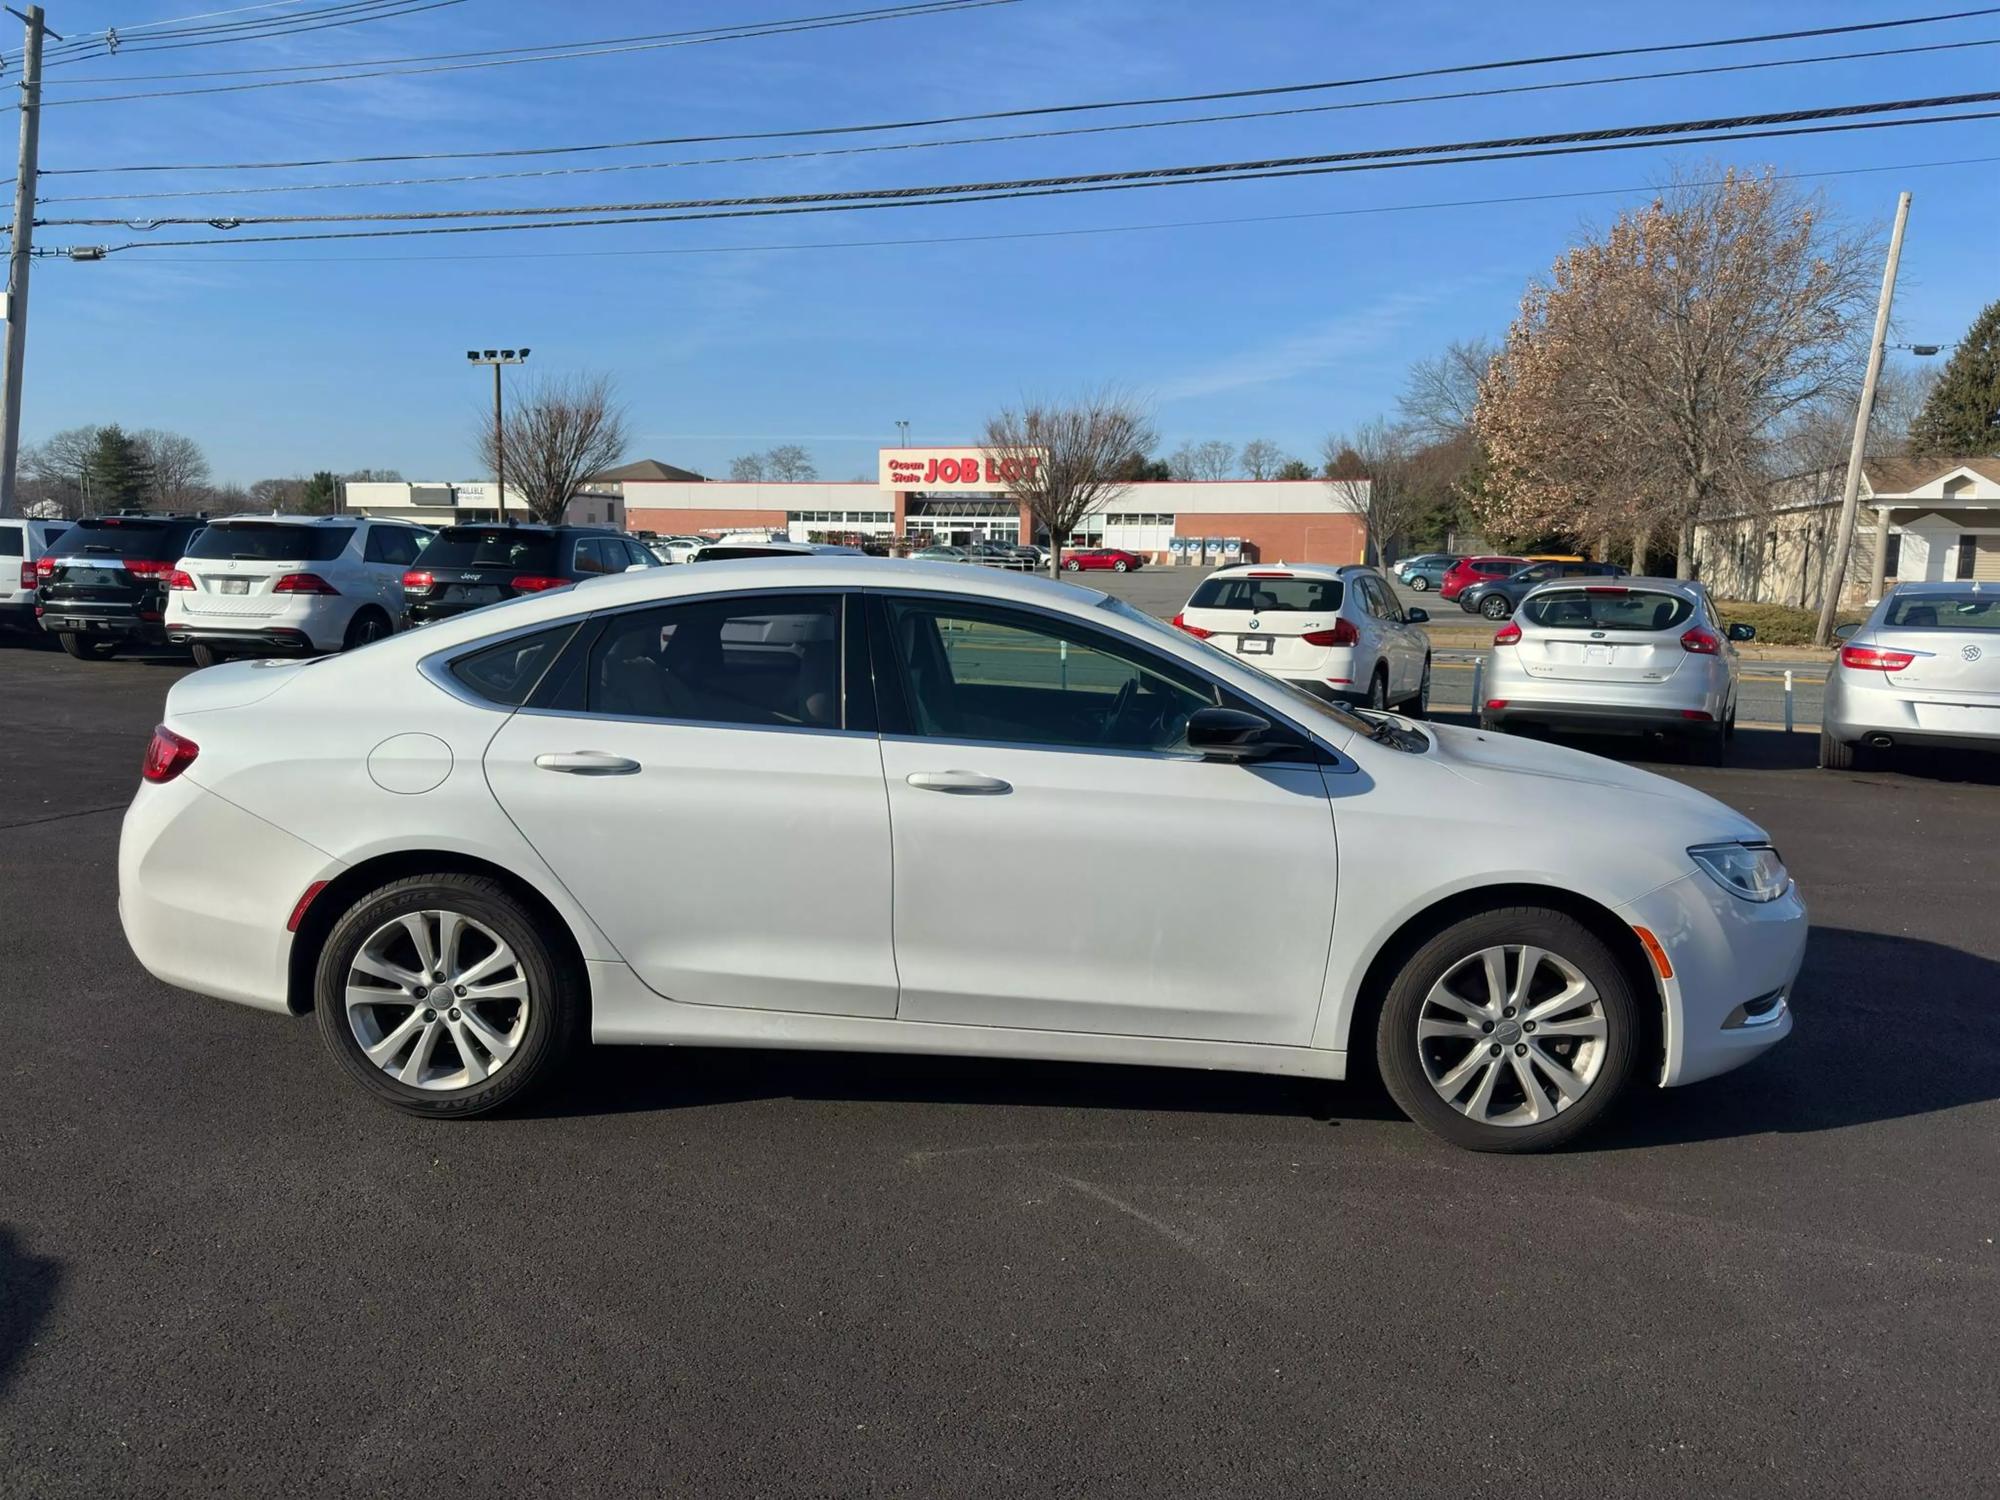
{"type": "Point", "coordinates": [591, 556]}
{"type": "Point", "coordinates": [1966, 611]}
{"type": "Point", "coordinates": [1245, 592]}
{"type": "Point", "coordinates": [989, 674]}
{"type": "Point", "coordinates": [11, 541]}
{"type": "Point", "coordinates": [1606, 609]}
{"type": "Point", "coordinates": [124, 536]}
{"type": "Point", "coordinates": [493, 547]}
{"type": "Point", "coordinates": [392, 544]}
{"type": "Point", "coordinates": [771, 662]}
{"type": "Point", "coordinates": [266, 541]}
{"type": "Point", "coordinates": [507, 673]}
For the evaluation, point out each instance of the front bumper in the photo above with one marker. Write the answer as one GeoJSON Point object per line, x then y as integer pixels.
{"type": "Point", "coordinates": [1734, 964]}
{"type": "Point", "coordinates": [1854, 711]}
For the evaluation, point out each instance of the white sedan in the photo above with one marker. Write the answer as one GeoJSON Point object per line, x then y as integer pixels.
{"type": "Point", "coordinates": [770, 803]}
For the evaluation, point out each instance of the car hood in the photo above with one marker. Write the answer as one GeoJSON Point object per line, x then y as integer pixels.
{"type": "Point", "coordinates": [1574, 784]}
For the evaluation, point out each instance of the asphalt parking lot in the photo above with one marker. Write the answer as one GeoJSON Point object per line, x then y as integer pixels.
{"type": "Point", "coordinates": [222, 1270]}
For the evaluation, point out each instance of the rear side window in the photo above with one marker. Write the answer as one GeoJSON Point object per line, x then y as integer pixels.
{"type": "Point", "coordinates": [10, 541]}
{"type": "Point", "coordinates": [1494, 567]}
{"type": "Point", "coordinates": [1606, 609]}
{"type": "Point", "coordinates": [1316, 596]}
{"type": "Point", "coordinates": [507, 673]}
{"type": "Point", "coordinates": [264, 541]}
{"type": "Point", "coordinates": [124, 536]}
{"type": "Point", "coordinates": [772, 663]}
{"type": "Point", "coordinates": [1966, 611]}
{"type": "Point", "coordinates": [493, 547]}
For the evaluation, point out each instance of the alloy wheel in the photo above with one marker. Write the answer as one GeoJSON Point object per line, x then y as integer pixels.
{"type": "Point", "coordinates": [1512, 1035]}
{"type": "Point", "coordinates": [437, 1000]}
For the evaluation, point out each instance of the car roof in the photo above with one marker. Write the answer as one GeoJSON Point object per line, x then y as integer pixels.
{"type": "Point", "coordinates": [1290, 570]}
{"type": "Point", "coordinates": [1687, 588]}
{"type": "Point", "coordinates": [1941, 586]}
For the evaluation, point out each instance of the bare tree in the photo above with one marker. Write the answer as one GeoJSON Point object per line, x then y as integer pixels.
{"type": "Point", "coordinates": [58, 469]}
{"type": "Point", "coordinates": [1061, 459]}
{"type": "Point", "coordinates": [1202, 461]}
{"type": "Point", "coordinates": [561, 433]}
{"type": "Point", "coordinates": [788, 463]}
{"type": "Point", "coordinates": [1261, 458]}
{"type": "Point", "coordinates": [1391, 498]}
{"type": "Point", "coordinates": [1441, 393]}
{"type": "Point", "coordinates": [278, 494]}
{"type": "Point", "coordinates": [180, 468]}
{"type": "Point", "coordinates": [747, 468]}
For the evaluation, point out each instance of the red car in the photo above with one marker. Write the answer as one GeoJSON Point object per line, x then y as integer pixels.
{"type": "Point", "coordinates": [1467, 571]}
{"type": "Point", "coordinates": [1117, 559]}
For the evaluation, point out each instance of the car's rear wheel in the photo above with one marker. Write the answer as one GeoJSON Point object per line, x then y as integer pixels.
{"type": "Point", "coordinates": [440, 995]}
{"type": "Point", "coordinates": [1511, 1030]}
{"type": "Point", "coordinates": [204, 656]}
{"type": "Point", "coordinates": [1074, 566]}
{"type": "Point", "coordinates": [1119, 566]}
{"type": "Point", "coordinates": [85, 649]}
{"type": "Point", "coordinates": [1495, 607]}
{"type": "Point", "coordinates": [1420, 583]}
{"type": "Point", "coordinates": [1378, 689]}
{"type": "Point", "coordinates": [1842, 755]}
{"type": "Point", "coordinates": [367, 625]}
{"type": "Point", "coordinates": [1418, 705]}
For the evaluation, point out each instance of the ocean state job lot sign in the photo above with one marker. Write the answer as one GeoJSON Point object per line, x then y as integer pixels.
{"type": "Point", "coordinates": [956, 468]}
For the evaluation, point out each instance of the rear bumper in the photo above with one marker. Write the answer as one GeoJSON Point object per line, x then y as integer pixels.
{"type": "Point", "coordinates": [272, 640]}
{"type": "Point", "coordinates": [1734, 963]}
{"type": "Point", "coordinates": [18, 614]}
{"type": "Point", "coordinates": [1855, 711]}
{"type": "Point", "coordinates": [1600, 718]}
{"type": "Point", "coordinates": [102, 621]}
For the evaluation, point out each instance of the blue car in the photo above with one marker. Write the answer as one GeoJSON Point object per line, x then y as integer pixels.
{"type": "Point", "coordinates": [1425, 571]}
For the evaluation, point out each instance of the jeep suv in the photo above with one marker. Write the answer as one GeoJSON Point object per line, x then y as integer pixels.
{"type": "Point", "coordinates": [467, 567]}
{"type": "Point", "coordinates": [103, 584]}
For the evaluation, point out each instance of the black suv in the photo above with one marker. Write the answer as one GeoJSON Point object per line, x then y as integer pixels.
{"type": "Point", "coordinates": [104, 583]}
{"type": "Point", "coordinates": [1496, 598]}
{"type": "Point", "coordinates": [467, 567]}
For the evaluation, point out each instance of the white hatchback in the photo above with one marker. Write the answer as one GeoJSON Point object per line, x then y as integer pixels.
{"type": "Point", "coordinates": [1337, 632]}
{"type": "Point", "coordinates": [289, 585]}
{"type": "Point", "coordinates": [575, 814]}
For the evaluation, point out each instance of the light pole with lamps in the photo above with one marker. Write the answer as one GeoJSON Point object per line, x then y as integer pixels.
{"type": "Point", "coordinates": [497, 358]}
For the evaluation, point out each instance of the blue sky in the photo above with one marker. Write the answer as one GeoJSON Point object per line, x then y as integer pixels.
{"type": "Point", "coordinates": [282, 359]}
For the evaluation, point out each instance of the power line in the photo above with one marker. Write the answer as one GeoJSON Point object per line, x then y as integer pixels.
{"type": "Point", "coordinates": [84, 48]}
{"type": "Point", "coordinates": [1029, 135]}
{"type": "Point", "coordinates": [1045, 192]}
{"type": "Point", "coordinates": [897, 13]}
{"type": "Point", "coordinates": [1037, 234]}
{"type": "Point", "coordinates": [1207, 170]}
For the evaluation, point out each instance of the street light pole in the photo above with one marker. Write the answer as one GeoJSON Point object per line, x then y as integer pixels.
{"type": "Point", "coordinates": [497, 358]}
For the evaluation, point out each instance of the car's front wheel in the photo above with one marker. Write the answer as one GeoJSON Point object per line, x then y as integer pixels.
{"type": "Point", "coordinates": [1511, 1030]}
{"type": "Point", "coordinates": [204, 655]}
{"type": "Point", "coordinates": [440, 995]}
{"type": "Point", "coordinates": [1074, 566]}
{"type": "Point", "coordinates": [1119, 566]}
{"type": "Point", "coordinates": [1420, 583]}
{"type": "Point", "coordinates": [1496, 607]}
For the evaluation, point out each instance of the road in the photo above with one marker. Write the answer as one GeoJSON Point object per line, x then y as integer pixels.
{"type": "Point", "coordinates": [738, 1273]}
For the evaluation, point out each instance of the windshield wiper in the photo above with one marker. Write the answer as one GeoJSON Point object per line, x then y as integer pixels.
{"type": "Point", "coordinates": [1386, 730]}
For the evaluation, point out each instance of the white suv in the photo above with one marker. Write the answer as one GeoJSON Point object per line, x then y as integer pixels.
{"type": "Point", "coordinates": [22, 544]}
{"type": "Point", "coordinates": [1336, 632]}
{"type": "Point", "coordinates": [289, 585]}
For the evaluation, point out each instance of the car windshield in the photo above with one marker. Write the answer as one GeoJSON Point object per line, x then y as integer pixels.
{"type": "Point", "coordinates": [1966, 611]}
{"type": "Point", "coordinates": [493, 547]}
{"type": "Point", "coordinates": [1268, 592]}
{"type": "Point", "coordinates": [269, 541]}
{"type": "Point", "coordinates": [1606, 608]}
{"type": "Point", "coordinates": [122, 536]}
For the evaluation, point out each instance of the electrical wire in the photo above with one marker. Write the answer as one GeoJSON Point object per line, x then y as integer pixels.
{"type": "Point", "coordinates": [1848, 29]}
{"type": "Point", "coordinates": [86, 48]}
{"type": "Point", "coordinates": [1208, 170]}
{"type": "Point", "coordinates": [1048, 192]}
{"type": "Point", "coordinates": [1026, 234]}
{"type": "Point", "coordinates": [1028, 135]}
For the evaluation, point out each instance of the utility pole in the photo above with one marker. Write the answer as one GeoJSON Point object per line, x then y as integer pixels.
{"type": "Point", "coordinates": [497, 358]}
{"type": "Point", "coordinates": [21, 252]}
{"type": "Point", "coordinates": [1851, 496]}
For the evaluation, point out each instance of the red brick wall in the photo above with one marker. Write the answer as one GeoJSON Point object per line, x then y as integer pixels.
{"type": "Point", "coordinates": [674, 522]}
{"type": "Point", "coordinates": [1284, 538]}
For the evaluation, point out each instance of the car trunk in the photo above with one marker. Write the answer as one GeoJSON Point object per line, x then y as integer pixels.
{"type": "Point", "coordinates": [1273, 620]}
{"type": "Point", "coordinates": [1603, 634]}
{"type": "Point", "coordinates": [114, 562]}
{"type": "Point", "coordinates": [235, 569]}
{"type": "Point", "coordinates": [468, 566]}
{"type": "Point", "coordinates": [1954, 666]}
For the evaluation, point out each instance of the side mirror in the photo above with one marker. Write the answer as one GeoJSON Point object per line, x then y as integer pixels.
{"type": "Point", "coordinates": [1743, 632]}
{"type": "Point", "coordinates": [1846, 632]}
{"type": "Point", "coordinates": [1416, 616]}
{"type": "Point", "coordinates": [1231, 734]}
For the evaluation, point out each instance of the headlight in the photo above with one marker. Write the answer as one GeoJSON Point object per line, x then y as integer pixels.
{"type": "Point", "coordinates": [1752, 871]}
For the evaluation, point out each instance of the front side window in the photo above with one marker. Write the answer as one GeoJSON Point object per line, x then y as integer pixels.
{"type": "Point", "coordinates": [591, 557]}
{"type": "Point", "coordinates": [771, 663]}
{"type": "Point", "coordinates": [976, 673]}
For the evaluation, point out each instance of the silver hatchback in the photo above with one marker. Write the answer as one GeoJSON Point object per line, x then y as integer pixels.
{"type": "Point", "coordinates": [1923, 669]}
{"type": "Point", "coordinates": [1645, 655]}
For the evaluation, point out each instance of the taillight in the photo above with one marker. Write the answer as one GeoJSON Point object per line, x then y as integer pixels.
{"type": "Point", "coordinates": [179, 579]}
{"type": "Point", "coordinates": [303, 583]}
{"type": "Point", "coordinates": [1875, 658]}
{"type": "Point", "coordinates": [1507, 635]}
{"type": "Point", "coordinates": [148, 567]}
{"type": "Point", "coordinates": [168, 755]}
{"type": "Point", "coordinates": [1342, 634]}
{"type": "Point", "coordinates": [1700, 642]}
{"type": "Point", "coordinates": [1496, 702]}
{"type": "Point", "coordinates": [27, 575]}
{"type": "Point", "coordinates": [45, 567]}
{"type": "Point", "coordinates": [1180, 623]}
{"type": "Point", "coordinates": [417, 580]}
{"type": "Point", "coordinates": [535, 583]}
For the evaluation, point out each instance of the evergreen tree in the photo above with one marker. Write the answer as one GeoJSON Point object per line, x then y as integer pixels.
{"type": "Point", "coordinates": [1961, 418]}
{"type": "Point", "coordinates": [119, 476]}
{"type": "Point", "coordinates": [322, 494]}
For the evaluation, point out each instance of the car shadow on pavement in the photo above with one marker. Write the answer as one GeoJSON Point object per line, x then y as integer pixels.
{"type": "Point", "coordinates": [1887, 1027]}
{"type": "Point", "coordinates": [28, 1285]}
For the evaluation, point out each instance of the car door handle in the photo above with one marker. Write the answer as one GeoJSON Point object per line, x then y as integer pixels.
{"type": "Point", "coordinates": [587, 763]}
{"type": "Point", "coordinates": [965, 783]}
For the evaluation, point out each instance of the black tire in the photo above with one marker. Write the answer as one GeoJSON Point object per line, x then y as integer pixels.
{"type": "Point", "coordinates": [1710, 747]}
{"type": "Point", "coordinates": [84, 649]}
{"type": "Point", "coordinates": [367, 625]}
{"type": "Point", "coordinates": [1418, 704]}
{"type": "Point", "coordinates": [1397, 1049]}
{"type": "Point", "coordinates": [205, 656]}
{"type": "Point", "coordinates": [556, 992]}
{"type": "Point", "coordinates": [1378, 688]}
{"type": "Point", "coordinates": [1420, 583]}
{"type": "Point", "coordinates": [1843, 755]}
{"type": "Point", "coordinates": [1490, 725]}
{"type": "Point", "coordinates": [1496, 607]}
